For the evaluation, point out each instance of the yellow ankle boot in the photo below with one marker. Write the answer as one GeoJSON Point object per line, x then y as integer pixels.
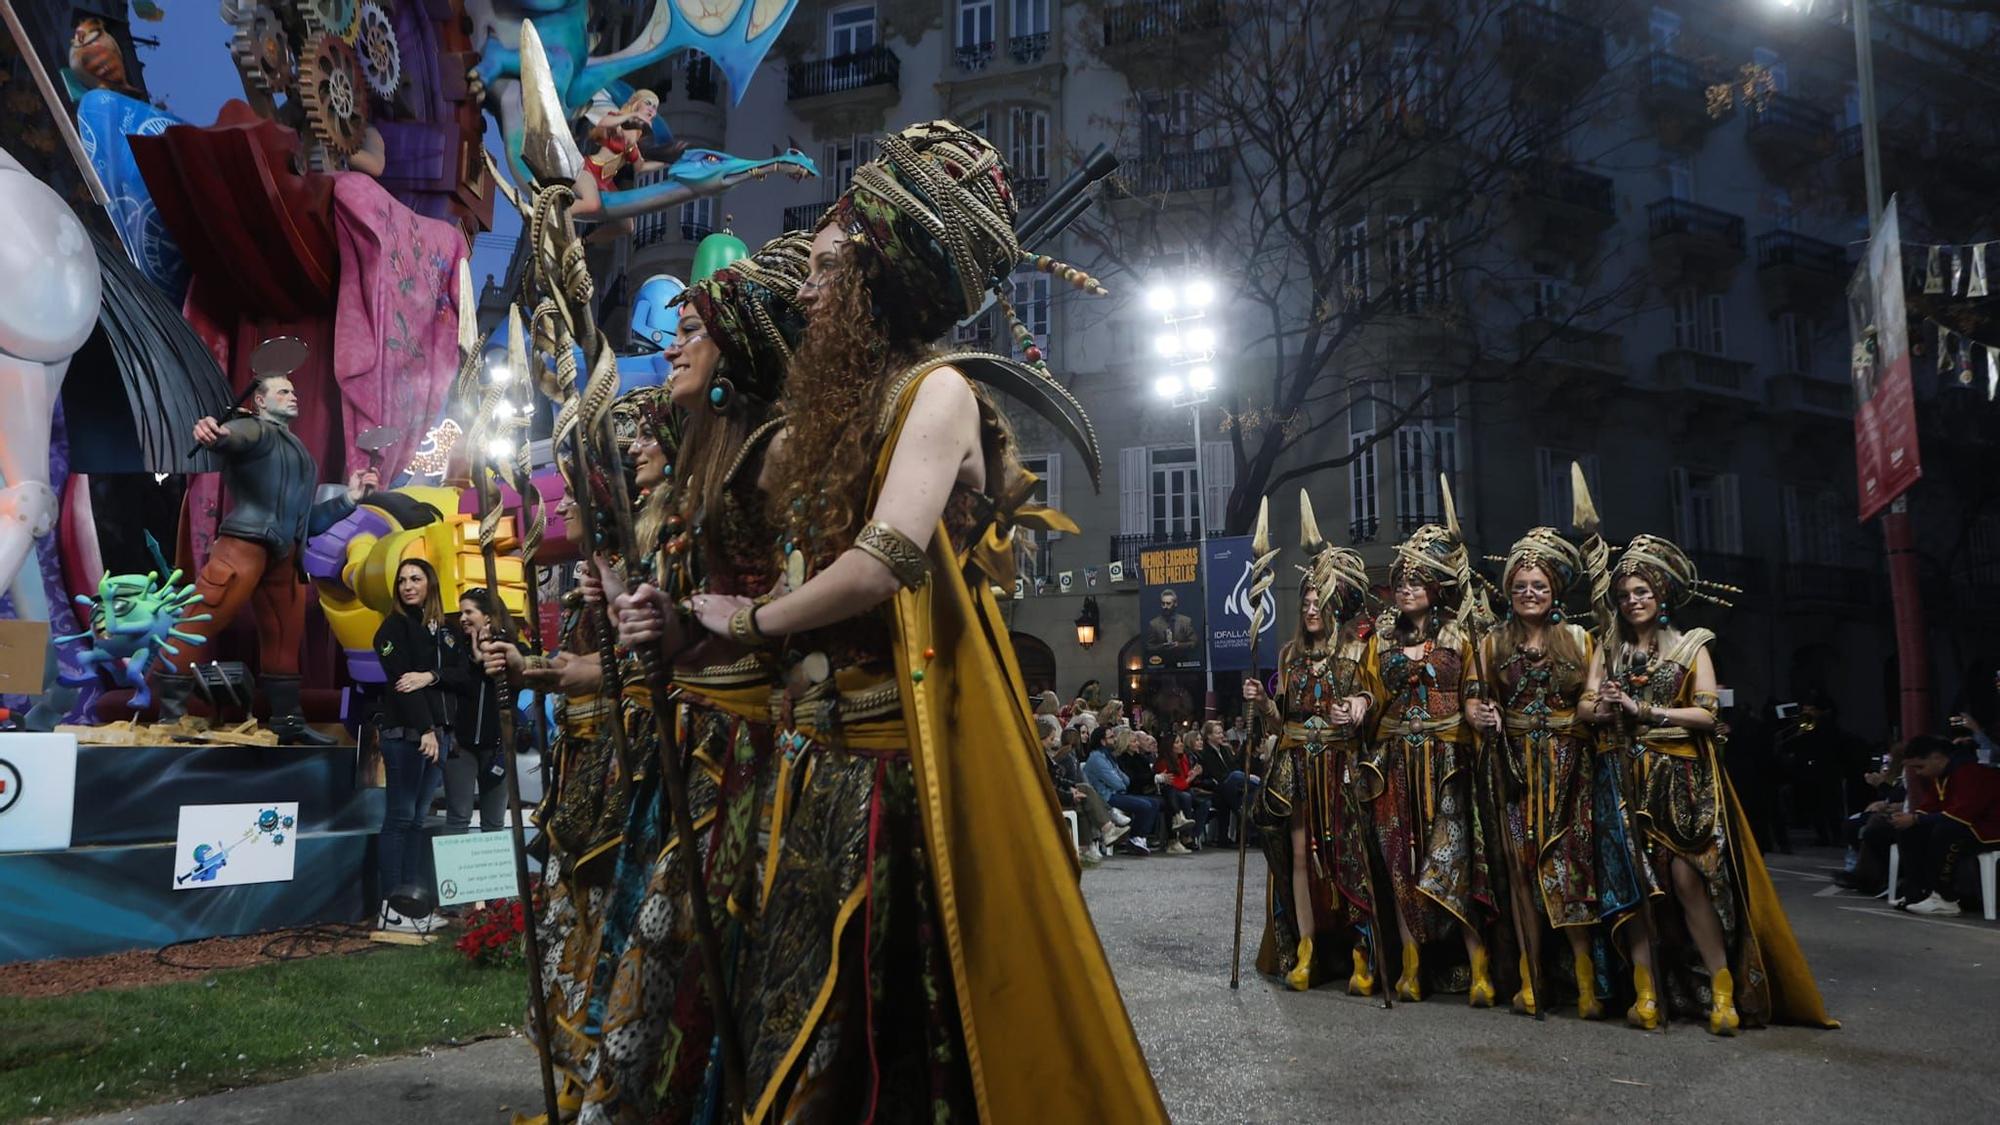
{"type": "Point", "coordinates": [1362, 983]}
{"type": "Point", "coordinates": [1300, 978]}
{"type": "Point", "coordinates": [1722, 1017]}
{"type": "Point", "coordinates": [1481, 995]}
{"type": "Point", "coordinates": [1408, 987]}
{"type": "Point", "coordinates": [1588, 1006]}
{"type": "Point", "coordinates": [1645, 1011]}
{"type": "Point", "coordinates": [1524, 1000]}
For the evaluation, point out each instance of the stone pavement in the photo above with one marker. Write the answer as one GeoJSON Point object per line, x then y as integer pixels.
{"type": "Point", "coordinates": [1919, 998]}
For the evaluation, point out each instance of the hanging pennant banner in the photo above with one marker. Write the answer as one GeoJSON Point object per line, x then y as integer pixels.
{"type": "Point", "coordinates": [1066, 581]}
{"type": "Point", "coordinates": [1957, 268]}
{"type": "Point", "coordinates": [1992, 371]}
{"type": "Point", "coordinates": [1090, 577]}
{"type": "Point", "coordinates": [1885, 411]}
{"type": "Point", "coordinates": [1934, 270]}
{"type": "Point", "coordinates": [1116, 571]}
{"type": "Point", "coordinates": [1976, 286]}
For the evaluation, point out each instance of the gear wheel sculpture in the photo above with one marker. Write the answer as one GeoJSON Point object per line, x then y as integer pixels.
{"type": "Point", "coordinates": [333, 90]}
{"type": "Point", "coordinates": [332, 17]}
{"type": "Point", "coordinates": [381, 57]}
{"type": "Point", "coordinates": [260, 48]}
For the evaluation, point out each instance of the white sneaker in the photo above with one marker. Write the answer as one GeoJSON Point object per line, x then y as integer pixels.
{"type": "Point", "coordinates": [1182, 820]}
{"type": "Point", "coordinates": [1090, 856]}
{"type": "Point", "coordinates": [393, 922]}
{"type": "Point", "coordinates": [1111, 834]}
{"type": "Point", "coordinates": [1178, 848]}
{"type": "Point", "coordinates": [1936, 904]}
{"type": "Point", "coordinates": [1120, 818]}
{"type": "Point", "coordinates": [1138, 844]}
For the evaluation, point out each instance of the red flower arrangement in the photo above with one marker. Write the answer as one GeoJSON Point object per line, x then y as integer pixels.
{"type": "Point", "coordinates": [492, 934]}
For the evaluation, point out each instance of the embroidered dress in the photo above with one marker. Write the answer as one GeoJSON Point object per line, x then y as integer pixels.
{"type": "Point", "coordinates": [1315, 777]}
{"type": "Point", "coordinates": [1549, 782]}
{"type": "Point", "coordinates": [1425, 822]}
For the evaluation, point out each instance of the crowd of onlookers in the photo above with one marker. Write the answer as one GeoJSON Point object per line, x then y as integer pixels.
{"type": "Point", "coordinates": [1140, 784]}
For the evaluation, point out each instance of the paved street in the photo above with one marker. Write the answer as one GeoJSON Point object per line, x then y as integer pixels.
{"type": "Point", "coordinates": [1920, 1000]}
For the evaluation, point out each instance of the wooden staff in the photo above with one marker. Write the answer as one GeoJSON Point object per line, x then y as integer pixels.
{"type": "Point", "coordinates": [550, 153]}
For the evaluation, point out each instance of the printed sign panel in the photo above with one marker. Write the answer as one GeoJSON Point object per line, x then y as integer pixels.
{"type": "Point", "coordinates": [37, 791]}
{"type": "Point", "coordinates": [1170, 600]}
{"type": "Point", "coordinates": [474, 866]}
{"type": "Point", "coordinates": [230, 845]}
{"type": "Point", "coordinates": [1229, 562]}
{"type": "Point", "coordinates": [1885, 405]}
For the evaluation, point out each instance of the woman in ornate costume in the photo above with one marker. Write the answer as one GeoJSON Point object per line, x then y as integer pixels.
{"type": "Point", "coordinates": [1311, 812]}
{"type": "Point", "coordinates": [1419, 668]}
{"type": "Point", "coordinates": [1652, 689]}
{"type": "Point", "coordinates": [589, 883]}
{"type": "Point", "coordinates": [890, 976]}
{"type": "Point", "coordinates": [728, 359]}
{"type": "Point", "coordinates": [1534, 665]}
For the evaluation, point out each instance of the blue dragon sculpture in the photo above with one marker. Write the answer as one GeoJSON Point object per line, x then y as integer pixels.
{"type": "Point", "coordinates": [736, 34]}
{"type": "Point", "coordinates": [132, 619]}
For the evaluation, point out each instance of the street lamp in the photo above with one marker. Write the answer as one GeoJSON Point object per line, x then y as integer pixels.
{"type": "Point", "coordinates": [1188, 343]}
{"type": "Point", "coordinates": [1086, 624]}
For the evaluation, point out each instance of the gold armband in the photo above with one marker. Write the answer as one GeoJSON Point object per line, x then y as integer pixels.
{"type": "Point", "coordinates": [896, 551]}
{"type": "Point", "coordinates": [743, 627]}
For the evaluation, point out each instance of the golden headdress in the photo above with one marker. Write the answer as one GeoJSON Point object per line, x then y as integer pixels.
{"type": "Point", "coordinates": [1672, 573]}
{"type": "Point", "coordinates": [1338, 573]}
{"type": "Point", "coordinates": [1549, 551]}
{"type": "Point", "coordinates": [751, 310]}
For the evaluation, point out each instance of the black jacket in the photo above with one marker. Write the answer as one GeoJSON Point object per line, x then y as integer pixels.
{"type": "Point", "coordinates": [271, 480]}
{"type": "Point", "coordinates": [1216, 765]}
{"type": "Point", "coordinates": [1067, 776]}
{"type": "Point", "coordinates": [479, 719]}
{"type": "Point", "coordinates": [405, 644]}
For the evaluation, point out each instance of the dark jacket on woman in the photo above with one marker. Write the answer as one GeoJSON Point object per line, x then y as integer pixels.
{"type": "Point", "coordinates": [479, 717]}
{"type": "Point", "coordinates": [405, 644]}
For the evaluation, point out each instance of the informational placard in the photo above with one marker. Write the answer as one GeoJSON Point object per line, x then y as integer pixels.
{"type": "Point", "coordinates": [1229, 562]}
{"type": "Point", "coordinates": [1171, 601]}
{"type": "Point", "coordinates": [1885, 407]}
{"type": "Point", "coordinates": [474, 866]}
{"type": "Point", "coordinates": [37, 791]}
{"type": "Point", "coordinates": [230, 845]}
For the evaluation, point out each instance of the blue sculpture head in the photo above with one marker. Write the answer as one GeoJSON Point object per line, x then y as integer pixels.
{"type": "Point", "coordinates": [699, 167]}
{"type": "Point", "coordinates": [656, 315]}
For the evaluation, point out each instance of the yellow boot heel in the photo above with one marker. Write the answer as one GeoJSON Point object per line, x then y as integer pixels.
{"type": "Point", "coordinates": [1407, 986]}
{"type": "Point", "coordinates": [1362, 983]}
{"type": "Point", "coordinates": [1300, 978]}
{"type": "Point", "coordinates": [1524, 1000]}
{"type": "Point", "coordinates": [1588, 1006]}
{"type": "Point", "coordinates": [1722, 1017]}
{"type": "Point", "coordinates": [1645, 1011]}
{"type": "Point", "coordinates": [1481, 995]}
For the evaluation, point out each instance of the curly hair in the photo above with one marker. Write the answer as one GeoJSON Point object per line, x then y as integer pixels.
{"type": "Point", "coordinates": [833, 394]}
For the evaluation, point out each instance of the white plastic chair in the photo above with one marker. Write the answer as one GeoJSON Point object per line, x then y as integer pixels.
{"type": "Point", "coordinates": [1075, 841]}
{"type": "Point", "coordinates": [1989, 867]}
{"type": "Point", "coordinates": [1895, 861]}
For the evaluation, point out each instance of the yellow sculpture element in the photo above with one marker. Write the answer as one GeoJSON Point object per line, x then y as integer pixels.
{"type": "Point", "coordinates": [356, 604]}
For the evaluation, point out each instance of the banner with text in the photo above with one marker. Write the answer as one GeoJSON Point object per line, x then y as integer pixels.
{"type": "Point", "coordinates": [1170, 602]}
{"type": "Point", "coordinates": [1885, 408]}
{"type": "Point", "coordinates": [1229, 562]}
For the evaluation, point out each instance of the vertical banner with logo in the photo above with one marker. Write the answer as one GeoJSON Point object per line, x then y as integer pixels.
{"type": "Point", "coordinates": [1885, 408]}
{"type": "Point", "coordinates": [1229, 562]}
{"type": "Point", "coordinates": [1170, 604]}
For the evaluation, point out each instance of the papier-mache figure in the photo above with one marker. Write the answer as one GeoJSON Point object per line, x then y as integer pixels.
{"type": "Point", "coordinates": [133, 619]}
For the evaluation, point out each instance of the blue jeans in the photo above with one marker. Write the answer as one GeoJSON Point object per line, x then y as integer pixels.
{"type": "Point", "coordinates": [413, 781]}
{"type": "Point", "coordinates": [1144, 811]}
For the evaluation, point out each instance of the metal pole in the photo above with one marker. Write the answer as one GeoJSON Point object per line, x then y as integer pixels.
{"type": "Point", "coordinates": [1208, 703]}
{"type": "Point", "coordinates": [1899, 538]}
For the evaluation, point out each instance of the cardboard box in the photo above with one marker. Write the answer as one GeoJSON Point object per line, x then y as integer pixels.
{"type": "Point", "coordinates": [24, 648]}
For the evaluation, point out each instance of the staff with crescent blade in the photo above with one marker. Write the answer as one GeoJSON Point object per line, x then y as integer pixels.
{"type": "Point", "coordinates": [1260, 584]}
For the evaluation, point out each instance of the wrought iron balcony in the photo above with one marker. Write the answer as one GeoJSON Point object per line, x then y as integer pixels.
{"type": "Point", "coordinates": [974, 56]}
{"type": "Point", "coordinates": [1803, 393]}
{"type": "Point", "coordinates": [1145, 20]}
{"type": "Point", "coordinates": [1689, 239]}
{"type": "Point", "coordinates": [1176, 172]}
{"type": "Point", "coordinates": [1674, 91]}
{"type": "Point", "coordinates": [1789, 130]}
{"type": "Point", "coordinates": [805, 216]}
{"type": "Point", "coordinates": [1797, 271]}
{"type": "Point", "coordinates": [1555, 53]}
{"type": "Point", "coordinates": [1363, 529]}
{"type": "Point", "coordinates": [1026, 49]}
{"type": "Point", "coordinates": [1030, 190]}
{"type": "Point", "coordinates": [1567, 183]}
{"type": "Point", "coordinates": [1569, 351]}
{"type": "Point", "coordinates": [875, 66]}
{"type": "Point", "coordinates": [695, 232]}
{"type": "Point", "coordinates": [1700, 372]}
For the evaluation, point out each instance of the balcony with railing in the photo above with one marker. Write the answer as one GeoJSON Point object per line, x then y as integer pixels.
{"type": "Point", "coordinates": [1745, 572]}
{"type": "Point", "coordinates": [1029, 191]}
{"type": "Point", "coordinates": [1029, 49]}
{"type": "Point", "coordinates": [1125, 548]}
{"type": "Point", "coordinates": [1555, 55]}
{"type": "Point", "coordinates": [1809, 586]}
{"type": "Point", "coordinates": [1674, 93]}
{"type": "Point", "coordinates": [1797, 271]}
{"type": "Point", "coordinates": [1363, 529]}
{"type": "Point", "coordinates": [1684, 369]}
{"type": "Point", "coordinates": [1168, 173]}
{"type": "Point", "coordinates": [1155, 40]}
{"type": "Point", "coordinates": [1564, 207]}
{"type": "Point", "coordinates": [971, 58]}
{"type": "Point", "coordinates": [1570, 363]}
{"type": "Point", "coordinates": [1803, 393]}
{"type": "Point", "coordinates": [846, 93]}
{"type": "Point", "coordinates": [1788, 131]}
{"type": "Point", "coordinates": [805, 216]}
{"type": "Point", "coordinates": [1690, 239]}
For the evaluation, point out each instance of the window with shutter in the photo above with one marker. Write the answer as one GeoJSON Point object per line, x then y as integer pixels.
{"type": "Point", "coordinates": [1029, 17]}
{"type": "Point", "coordinates": [1218, 480]}
{"type": "Point", "coordinates": [1714, 342]}
{"type": "Point", "coordinates": [1354, 260]}
{"type": "Point", "coordinates": [1687, 332]}
{"type": "Point", "coordinates": [975, 23]}
{"type": "Point", "coordinates": [1363, 487]}
{"type": "Point", "coordinates": [1174, 492]}
{"type": "Point", "coordinates": [1132, 474]}
{"type": "Point", "coordinates": [1031, 305]}
{"type": "Point", "coordinates": [1047, 468]}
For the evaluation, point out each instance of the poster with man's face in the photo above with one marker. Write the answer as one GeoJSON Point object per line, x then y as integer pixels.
{"type": "Point", "coordinates": [1171, 605]}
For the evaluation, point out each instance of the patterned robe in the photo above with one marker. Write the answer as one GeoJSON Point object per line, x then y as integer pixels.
{"type": "Point", "coordinates": [1421, 757]}
{"type": "Point", "coordinates": [1549, 778]}
{"type": "Point", "coordinates": [1315, 775]}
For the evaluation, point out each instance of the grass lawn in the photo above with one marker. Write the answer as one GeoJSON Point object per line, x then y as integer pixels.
{"type": "Point", "coordinates": [66, 1056]}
